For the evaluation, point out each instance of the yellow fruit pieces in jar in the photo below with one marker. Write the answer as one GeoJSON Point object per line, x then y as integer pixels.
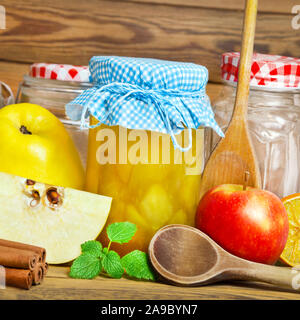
{"type": "Point", "coordinates": [156, 206]}
{"type": "Point", "coordinates": [150, 194]}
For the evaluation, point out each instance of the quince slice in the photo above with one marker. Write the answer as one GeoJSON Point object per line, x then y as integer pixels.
{"type": "Point", "coordinates": [55, 218]}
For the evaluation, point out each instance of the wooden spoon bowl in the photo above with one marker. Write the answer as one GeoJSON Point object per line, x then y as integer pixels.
{"type": "Point", "coordinates": [190, 247]}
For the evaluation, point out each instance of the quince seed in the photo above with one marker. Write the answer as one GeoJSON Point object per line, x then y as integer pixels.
{"type": "Point", "coordinates": [53, 196]}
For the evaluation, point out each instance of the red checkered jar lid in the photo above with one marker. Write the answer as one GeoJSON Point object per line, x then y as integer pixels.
{"type": "Point", "coordinates": [62, 72]}
{"type": "Point", "coordinates": [267, 70]}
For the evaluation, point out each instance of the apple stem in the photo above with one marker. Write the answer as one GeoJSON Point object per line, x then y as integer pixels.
{"type": "Point", "coordinates": [246, 179]}
{"type": "Point", "coordinates": [24, 130]}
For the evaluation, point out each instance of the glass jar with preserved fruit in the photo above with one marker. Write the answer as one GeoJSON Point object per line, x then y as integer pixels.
{"type": "Point", "coordinates": [147, 142]}
{"type": "Point", "coordinates": [273, 116]}
{"type": "Point", "coordinates": [52, 86]}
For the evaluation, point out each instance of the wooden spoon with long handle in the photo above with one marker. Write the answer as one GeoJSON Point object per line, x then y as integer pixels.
{"type": "Point", "coordinates": [186, 256]}
{"type": "Point", "coordinates": [234, 155]}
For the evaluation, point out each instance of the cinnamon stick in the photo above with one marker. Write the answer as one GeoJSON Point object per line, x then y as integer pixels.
{"type": "Point", "coordinates": [18, 278]}
{"type": "Point", "coordinates": [18, 245]}
{"type": "Point", "coordinates": [45, 268]}
{"type": "Point", "coordinates": [38, 274]}
{"type": "Point", "coordinates": [17, 258]}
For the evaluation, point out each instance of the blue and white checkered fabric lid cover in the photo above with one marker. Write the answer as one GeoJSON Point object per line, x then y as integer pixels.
{"type": "Point", "coordinates": [149, 94]}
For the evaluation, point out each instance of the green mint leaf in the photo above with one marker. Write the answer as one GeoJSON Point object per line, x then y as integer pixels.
{"type": "Point", "coordinates": [121, 232]}
{"type": "Point", "coordinates": [92, 247]}
{"type": "Point", "coordinates": [136, 264]}
{"type": "Point", "coordinates": [112, 264]}
{"type": "Point", "coordinates": [86, 266]}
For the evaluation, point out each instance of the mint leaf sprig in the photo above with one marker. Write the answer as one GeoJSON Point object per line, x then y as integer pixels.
{"type": "Point", "coordinates": [94, 258]}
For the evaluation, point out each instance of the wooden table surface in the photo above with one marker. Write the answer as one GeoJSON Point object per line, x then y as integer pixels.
{"type": "Point", "coordinates": [58, 285]}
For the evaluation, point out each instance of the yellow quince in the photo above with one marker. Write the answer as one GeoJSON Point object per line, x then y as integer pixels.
{"type": "Point", "coordinates": [35, 144]}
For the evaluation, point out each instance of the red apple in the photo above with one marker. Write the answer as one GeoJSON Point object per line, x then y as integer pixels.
{"type": "Point", "coordinates": [251, 224]}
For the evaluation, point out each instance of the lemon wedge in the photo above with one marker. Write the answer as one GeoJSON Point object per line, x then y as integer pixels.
{"type": "Point", "coordinates": [291, 252]}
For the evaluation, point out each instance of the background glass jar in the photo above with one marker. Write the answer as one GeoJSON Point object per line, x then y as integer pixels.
{"type": "Point", "coordinates": [274, 125]}
{"type": "Point", "coordinates": [161, 188]}
{"type": "Point", "coordinates": [54, 95]}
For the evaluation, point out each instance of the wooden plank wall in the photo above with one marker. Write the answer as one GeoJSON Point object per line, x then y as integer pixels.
{"type": "Point", "coordinates": [71, 31]}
